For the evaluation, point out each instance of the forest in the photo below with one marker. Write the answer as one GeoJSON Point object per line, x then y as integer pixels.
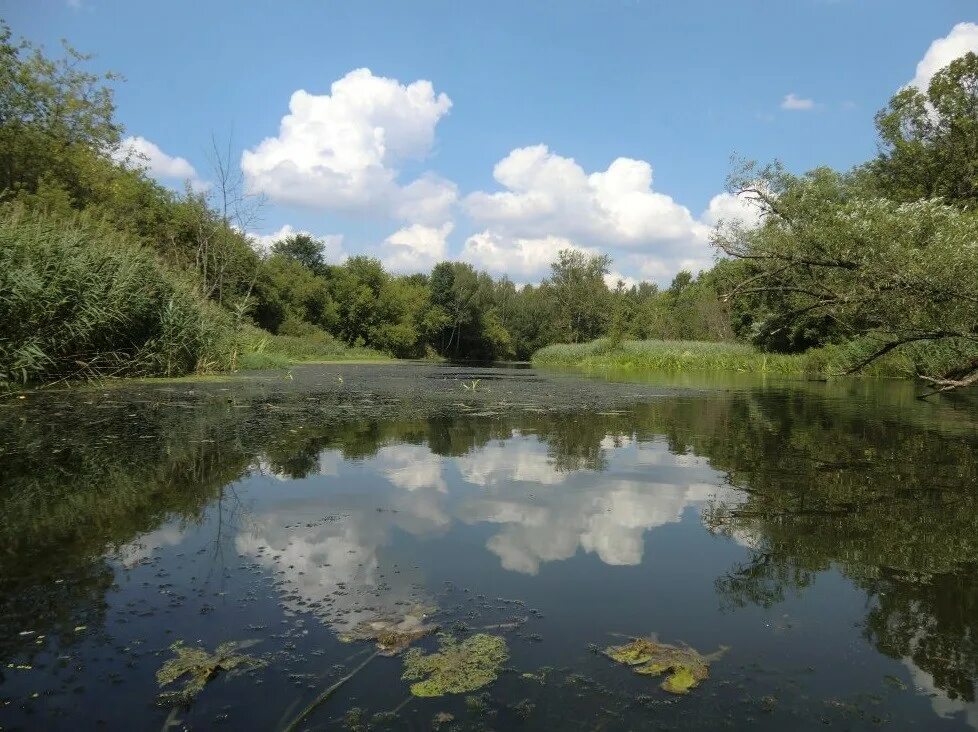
{"type": "Point", "coordinates": [104, 272]}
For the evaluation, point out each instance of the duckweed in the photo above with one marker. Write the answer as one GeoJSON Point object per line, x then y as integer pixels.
{"type": "Point", "coordinates": [200, 667]}
{"type": "Point", "coordinates": [684, 667]}
{"type": "Point", "coordinates": [456, 667]}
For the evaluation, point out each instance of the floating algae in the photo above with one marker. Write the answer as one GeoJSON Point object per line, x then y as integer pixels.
{"type": "Point", "coordinates": [686, 667]}
{"type": "Point", "coordinates": [201, 666]}
{"type": "Point", "coordinates": [392, 634]}
{"type": "Point", "coordinates": [456, 667]}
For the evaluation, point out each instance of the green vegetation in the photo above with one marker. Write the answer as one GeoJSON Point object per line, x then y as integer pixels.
{"type": "Point", "coordinates": [76, 300]}
{"type": "Point", "coordinates": [456, 667]}
{"type": "Point", "coordinates": [884, 253]}
{"type": "Point", "coordinates": [261, 349]}
{"type": "Point", "coordinates": [683, 666]}
{"type": "Point", "coordinates": [196, 666]}
{"type": "Point", "coordinates": [669, 356]}
{"type": "Point", "coordinates": [107, 273]}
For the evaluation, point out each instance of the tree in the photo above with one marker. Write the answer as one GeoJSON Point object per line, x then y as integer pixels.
{"type": "Point", "coordinates": [929, 139]}
{"type": "Point", "coordinates": [577, 283]}
{"type": "Point", "coordinates": [895, 275]}
{"type": "Point", "coordinates": [304, 249]}
{"type": "Point", "coordinates": [51, 111]}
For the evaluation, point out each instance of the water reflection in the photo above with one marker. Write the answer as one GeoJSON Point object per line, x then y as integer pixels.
{"type": "Point", "coordinates": [803, 484]}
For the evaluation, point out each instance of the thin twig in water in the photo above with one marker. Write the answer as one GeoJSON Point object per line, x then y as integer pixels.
{"type": "Point", "coordinates": [294, 724]}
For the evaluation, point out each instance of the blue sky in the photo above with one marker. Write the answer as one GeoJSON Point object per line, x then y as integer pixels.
{"type": "Point", "coordinates": [413, 172]}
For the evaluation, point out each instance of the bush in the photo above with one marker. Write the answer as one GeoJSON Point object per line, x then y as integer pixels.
{"type": "Point", "coordinates": [77, 300]}
{"type": "Point", "coordinates": [262, 350]}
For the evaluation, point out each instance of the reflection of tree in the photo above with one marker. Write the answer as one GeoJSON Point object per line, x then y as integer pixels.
{"type": "Point", "coordinates": [761, 581]}
{"type": "Point", "coordinates": [888, 498]}
{"type": "Point", "coordinates": [80, 481]}
{"type": "Point", "coordinates": [933, 621]}
{"type": "Point", "coordinates": [893, 505]}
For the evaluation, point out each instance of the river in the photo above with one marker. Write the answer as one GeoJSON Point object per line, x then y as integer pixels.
{"type": "Point", "coordinates": [813, 546]}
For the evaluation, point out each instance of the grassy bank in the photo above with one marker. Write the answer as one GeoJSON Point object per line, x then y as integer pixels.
{"type": "Point", "coordinates": [702, 356]}
{"type": "Point", "coordinates": [79, 300]}
{"type": "Point", "coordinates": [263, 350]}
{"type": "Point", "coordinates": [667, 356]}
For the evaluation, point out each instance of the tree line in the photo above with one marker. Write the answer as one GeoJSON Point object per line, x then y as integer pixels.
{"type": "Point", "coordinates": [103, 270]}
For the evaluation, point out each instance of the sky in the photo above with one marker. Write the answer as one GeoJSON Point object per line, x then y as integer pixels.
{"type": "Point", "coordinates": [499, 133]}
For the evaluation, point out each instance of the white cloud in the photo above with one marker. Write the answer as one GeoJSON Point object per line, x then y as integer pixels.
{"type": "Point", "coordinates": [944, 705]}
{"type": "Point", "coordinates": [732, 208]}
{"type": "Point", "coordinates": [341, 150]}
{"type": "Point", "coordinates": [613, 278]}
{"type": "Point", "coordinates": [550, 202]}
{"type": "Point", "coordinates": [416, 248]}
{"type": "Point", "coordinates": [962, 39]}
{"type": "Point", "coordinates": [332, 243]}
{"type": "Point", "coordinates": [548, 194]}
{"type": "Point", "coordinates": [412, 467]}
{"type": "Point", "coordinates": [526, 259]}
{"type": "Point", "coordinates": [139, 153]}
{"type": "Point", "coordinates": [797, 104]}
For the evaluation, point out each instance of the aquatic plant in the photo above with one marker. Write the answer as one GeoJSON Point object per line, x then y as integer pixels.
{"type": "Point", "coordinates": [392, 634]}
{"type": "Point", "coordinates": [456, 667]}
{"type": "Point", "coordinates": [685, 667]}
{"type": "Point", "coordinates": [200, 667]}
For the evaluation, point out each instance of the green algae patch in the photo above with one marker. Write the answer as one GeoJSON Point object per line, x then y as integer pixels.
{"type": "Point", "coordinates": [391, 634]}
{"type": "Point", "coordinates": [684, 667]}
{"type": "Point", "coordinates": [455, 668]}
{"type": "Point", "coordinates": [199, 667]}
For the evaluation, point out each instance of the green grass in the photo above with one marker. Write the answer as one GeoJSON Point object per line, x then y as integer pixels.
{"type": "Point", "coordinates": [263, 350]}
{"type": "Point", "coordinates": [703, 356]}
{"type": "Point", "coordinates": [670, 356]}
{"type": "Point", "coordinates": [80, 301]}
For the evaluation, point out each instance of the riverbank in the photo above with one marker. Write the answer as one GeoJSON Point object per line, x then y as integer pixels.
{"type": "Point", "coordinates": [703, 356]}
{"type": "Point", "coordinates": [263, 350]}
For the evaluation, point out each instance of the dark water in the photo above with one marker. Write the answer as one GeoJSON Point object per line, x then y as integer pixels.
{"type": "Point", "coordinates": [827, 534]}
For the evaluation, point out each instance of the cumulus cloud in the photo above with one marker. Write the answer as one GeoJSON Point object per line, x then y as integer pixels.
{"type": "Point", "coordinates": [342, 150]}
{"type": "Point", "coordinates": [416, 248]}
{"type": "Point", "coordinates": [795, 103]}
{"type": "Point", "coordinates": [139, 153]}
{"type": "Point", "coordinates": [525, 259]}
{"type": "Point", "coordinates": [332, 243]}
{"type": "Point", "coordinates": [550, 202]}
{"type": "Point", "coordinates": [962, 39]}
{"type": "Point", "coordinates": [548, 194]}
{"type": "Point", "coordinates": [732, 208]}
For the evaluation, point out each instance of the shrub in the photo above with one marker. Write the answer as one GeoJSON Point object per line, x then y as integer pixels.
{"type": "Point", "coordinates": [78, 300]}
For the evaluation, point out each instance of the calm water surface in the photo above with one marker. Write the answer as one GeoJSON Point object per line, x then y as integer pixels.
{"type": "Point", "coordinates": [828, 535]}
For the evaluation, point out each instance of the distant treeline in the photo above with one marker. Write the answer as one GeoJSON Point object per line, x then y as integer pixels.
{"type": "Point", "coordinates": [104, 271]}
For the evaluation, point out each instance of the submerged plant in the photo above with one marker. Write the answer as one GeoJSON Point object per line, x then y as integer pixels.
{"type": "Point", "coordinates": [456, 667]}
{"type": "Point", "coordinates": [392, 634]}
{"type": "Point", "coordinates": [685, 667]}
{"type": "Point", "coordinates": [199, 667]}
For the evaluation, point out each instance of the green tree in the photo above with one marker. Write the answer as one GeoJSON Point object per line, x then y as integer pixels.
{"type": "Point", "coordinates": [893, 274]}
{"type": "Point", "coordinates": [304, 249]}
{"type": "Point", "coordinates": [929, 139]}
{"type": "Point", "coordinates": [51, 112]}
{"type": "Point", "coordinates": [577, 283]}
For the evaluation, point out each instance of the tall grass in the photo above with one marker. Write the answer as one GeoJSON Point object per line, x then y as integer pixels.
{"type": "Point", "coordinates": [667, 356]}
{"type": "Point", "coordinates": [260, 349]}
{"type": "Point", "coordinates": [78, 300]}
{"type": "Point", "coordinates": [828, 361]}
